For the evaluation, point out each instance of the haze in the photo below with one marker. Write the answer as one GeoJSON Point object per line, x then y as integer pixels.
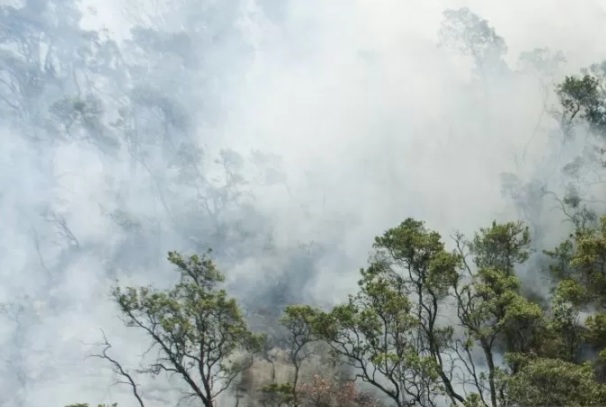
{"type": "Point", "coordinates": [359, 120]}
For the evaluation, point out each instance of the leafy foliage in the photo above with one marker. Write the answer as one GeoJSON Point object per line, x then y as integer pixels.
{"type": "Point", "coordinates": [198, 329]}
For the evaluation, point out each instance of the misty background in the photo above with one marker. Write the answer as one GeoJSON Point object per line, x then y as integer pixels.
{"type": "Point", "coordinates": [282, 134]}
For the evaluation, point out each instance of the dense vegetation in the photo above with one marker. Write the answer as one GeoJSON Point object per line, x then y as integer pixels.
{"type": "Point", "coordinates": [428, 326]}
{"type": "Point", "coordinates": [435, 320]}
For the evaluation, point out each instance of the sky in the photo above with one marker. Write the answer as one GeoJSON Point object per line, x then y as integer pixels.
{"type": "Point", "coordinates": [372, 121]}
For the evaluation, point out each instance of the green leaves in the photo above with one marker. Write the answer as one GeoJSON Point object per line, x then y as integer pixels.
{"type": "Point", "coordinates": [279, 394]}
{"type": "Point", "coordinates": [386, 331]}
{"type": "Point", "coordinates": [596, 329]}
{"type": "Point", "coordinates": [198, 328]}
{"type": "Point", "coordinates": [569, 290]}
{"type": "Point", "coordinates": [553, 382]}
{"type": "Point", "coordinates": [299, 317]}
{"type": "Point", "coordinates": [199, 270]}
{"type": "Point", "coordinates": [373, 330]}
{"type": "Point", "coordinates": [580, 267]}
{"type": "Point", "coordinates": [491, 304]}
{"type": "Point", "coordinates": [583, 99]}
{"type": "Point", "coordinates": [415, 258]}
{"type": "Point", "coordinates": [501, 246]}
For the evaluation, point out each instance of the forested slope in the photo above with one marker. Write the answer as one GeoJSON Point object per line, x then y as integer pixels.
{"type": "Point", "coordinates": [262, 149]}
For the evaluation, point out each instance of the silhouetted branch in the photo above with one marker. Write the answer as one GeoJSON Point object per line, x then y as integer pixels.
{"type": "Point", "coordinates": [117, 368]}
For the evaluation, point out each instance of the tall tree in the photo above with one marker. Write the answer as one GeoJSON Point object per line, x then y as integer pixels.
{"type": "Point", "coordinates": [490, 306]}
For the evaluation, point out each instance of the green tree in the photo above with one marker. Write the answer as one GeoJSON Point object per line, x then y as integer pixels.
{"type": "Point", "coordinates": [490, 306]}
{"type": "Point", "coordinates": [375, 334]}
{"type": "Point", "coordinates": [429, 325]}
{"type": "Point", "coordinates": [564, 335]}
{"type": "Point", "coordinates": [579, 266]}
{"type": "Point", "coordinates": [389, 331]}
{"type": "Point", "coordinates": [298, 321]}
{"type": "Point", "coordinates": [199, 331]}
{"type": "Point", "coordinates": [554, 382]}
{"type": "Point", "coordinates": [578, 269]}
{"type": "Point", "coordinates": [420, 268]}
{"type": "Point", "coordinates": [582, 100]}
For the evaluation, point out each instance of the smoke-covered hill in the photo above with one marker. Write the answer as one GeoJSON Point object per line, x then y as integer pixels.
{"type": "Point", "coordinates": [284, 135]}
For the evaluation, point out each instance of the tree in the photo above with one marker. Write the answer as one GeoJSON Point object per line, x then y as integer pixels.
{"type": "Point", "coordinates": [580, 280]}
{"type": "Point", "coordinates": [388, 332]}
{"type": "Point", "coordinates": [471, 35]}
{"type": "Point", "coordinates": [423, 270]}
{"type": "Point", "coordinates": [582, 99]}
{"type": "Point", "coordinates": [375, 334]}
{"type": "Point", "coordinates": [490, 306]}
{"type": "Point", "coordinates": [553, 382]}
{"type": "Point", "coordinates": [199, 331]}
{"type": "Point", "coordinates": [298, 321]}
{"type": "Point", "coordinates": [429, 325]}
{"type": "Point", "coordinates": [579, 263]}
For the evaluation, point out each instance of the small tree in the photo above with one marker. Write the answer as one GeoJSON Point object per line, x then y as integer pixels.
{"type": "Point", "coordinates": [199, 331]}
{"type": "Point", "coordinates": [297, 320]}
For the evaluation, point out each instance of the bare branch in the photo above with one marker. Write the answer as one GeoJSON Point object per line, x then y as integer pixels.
{"type": "Point", "coordinates": [117, 368]}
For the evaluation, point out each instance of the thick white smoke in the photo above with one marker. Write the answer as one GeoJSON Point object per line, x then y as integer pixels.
{"type": "Point", "coordinates": [369, 122]}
